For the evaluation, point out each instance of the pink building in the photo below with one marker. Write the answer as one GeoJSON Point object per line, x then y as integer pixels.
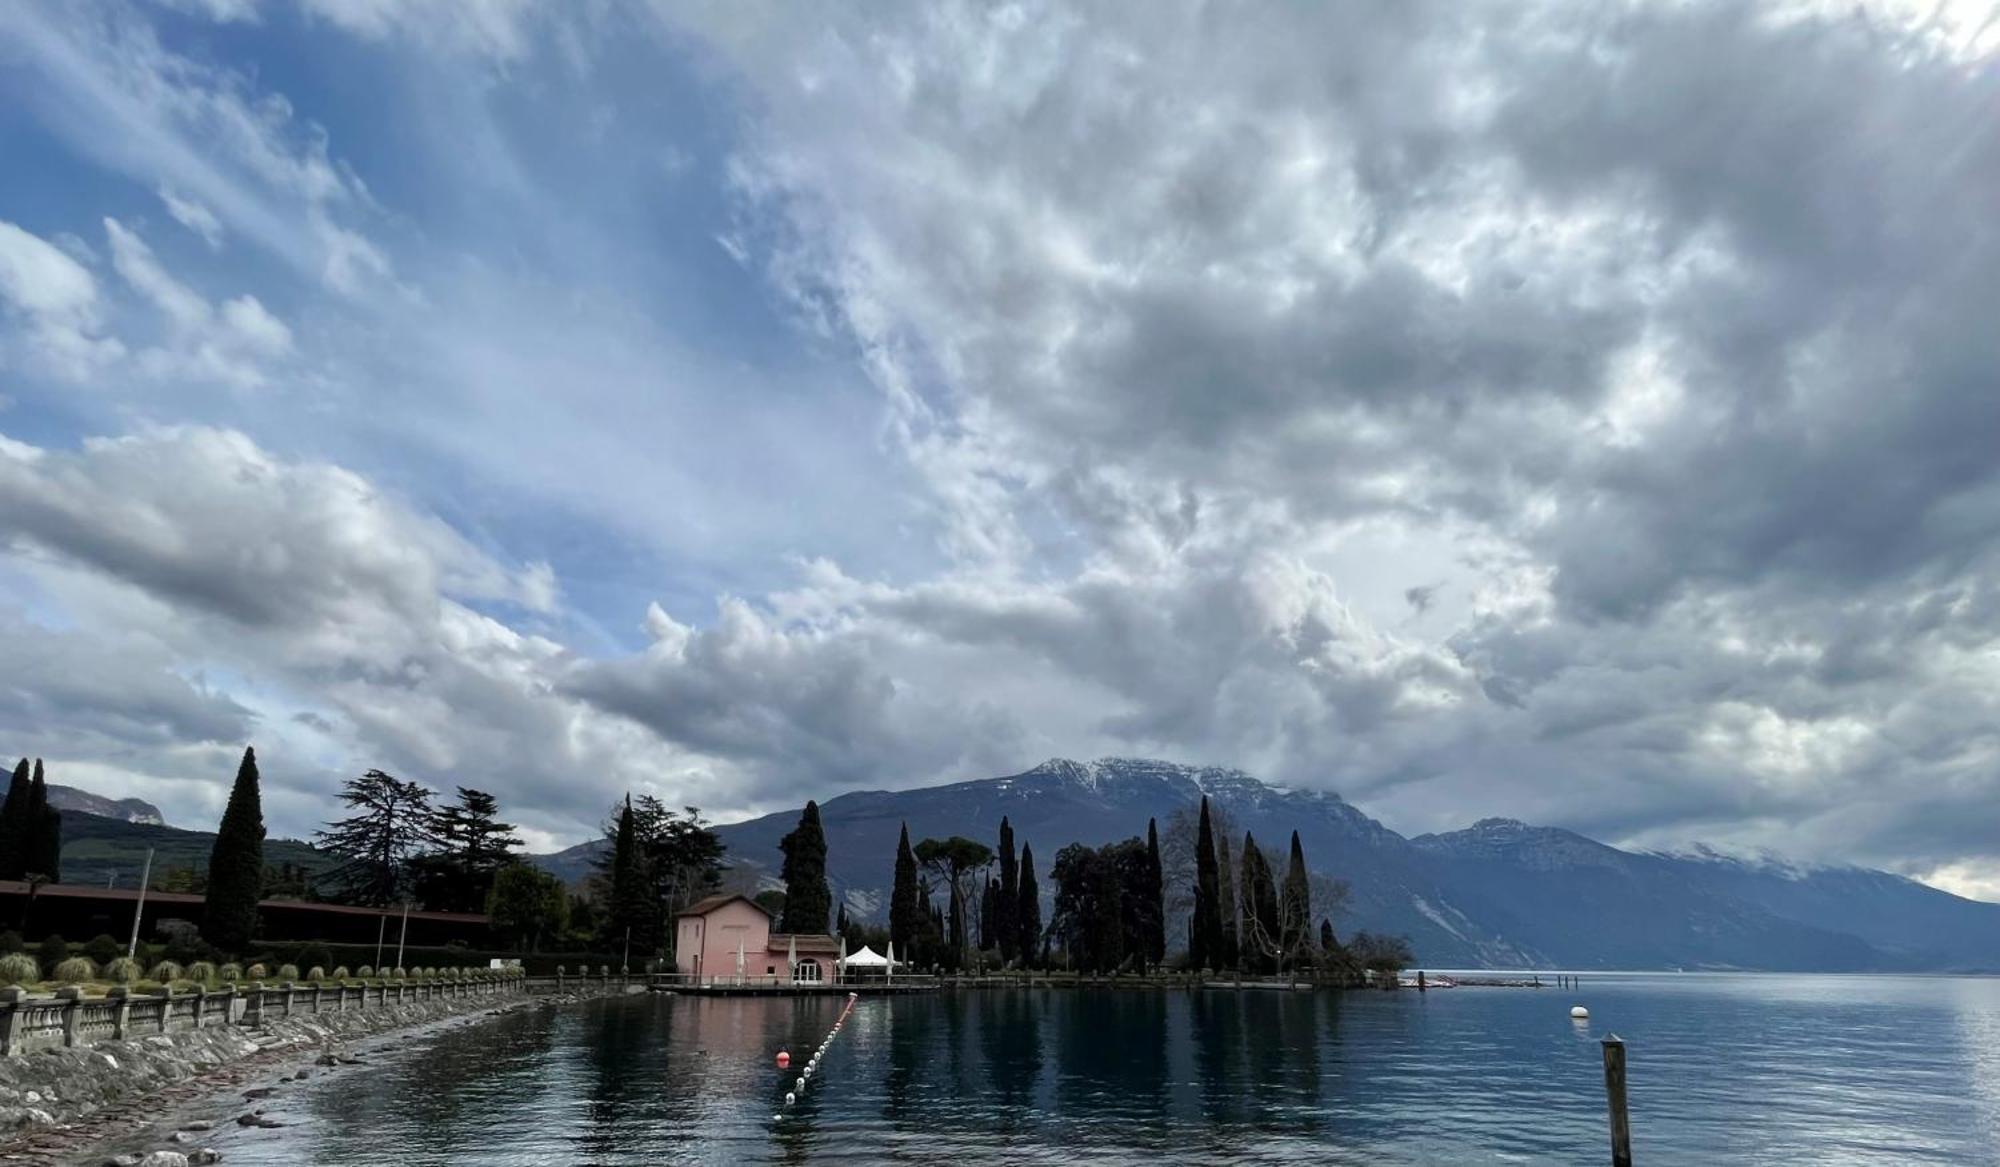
{"type": "Point", "coordinates": [710, 934]}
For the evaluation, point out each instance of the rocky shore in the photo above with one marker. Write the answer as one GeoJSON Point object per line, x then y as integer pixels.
{"type": "Point", "coordinates": [147, 1102]}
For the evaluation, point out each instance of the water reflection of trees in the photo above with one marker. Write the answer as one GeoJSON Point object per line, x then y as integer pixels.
{"type": "Point", "coordinates": [1258, 1059]}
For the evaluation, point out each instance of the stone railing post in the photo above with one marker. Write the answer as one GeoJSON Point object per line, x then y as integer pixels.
{"type": "Point", "coordinates": [69, 997]}
{"type": "Point", "coordinates": [200, 1004]}
{"type": "Point", "coordinates": [121, 1017]}
{"type": "Point", "coordinates": [10, 1022]}
{"type": "Point", "coordinates": [232, 1005]}
{"type": "Point", "coordinates": [290, 988]}
{"type": "Point", "coordinates": [166, 995]}
{"type": "Point", "coordinates": [253, 1004]}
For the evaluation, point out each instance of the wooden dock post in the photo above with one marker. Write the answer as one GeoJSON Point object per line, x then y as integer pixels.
{"type": "Point", "coordinates": [1614, 1093]}
{"type": "Point", "coordinates": [1420, 980]}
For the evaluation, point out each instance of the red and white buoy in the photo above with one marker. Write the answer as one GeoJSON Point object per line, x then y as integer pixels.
{"type": "Point", "coordinates": [784, 1060]}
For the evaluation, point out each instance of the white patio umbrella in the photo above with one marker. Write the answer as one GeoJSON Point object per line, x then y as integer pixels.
{"type": "Point", "coordinates": [840, 969]}
{"type": "Point", "coordinates": [889, 970]}
{"type": "Point", "coordinates": [792, 956]}
{"type": "Point", "coordinates": [739, 960]}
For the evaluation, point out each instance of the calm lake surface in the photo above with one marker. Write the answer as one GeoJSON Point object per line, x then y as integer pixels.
{"type": "Point", "coordinates": [1724, 1069]}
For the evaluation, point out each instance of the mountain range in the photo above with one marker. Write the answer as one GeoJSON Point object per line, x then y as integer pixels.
{"type": "Point", "coordinates": [1497, 894]}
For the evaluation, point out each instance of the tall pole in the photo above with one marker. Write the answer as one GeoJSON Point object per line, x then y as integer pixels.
{"type": "Point", "coordinates": [402, 932]}
{"type": "Point", "coordinates": [381, 930]}
{"type": "Point", "coordinates": [627, 965]}
{"type": "Point", "coordinates": [139, 907]}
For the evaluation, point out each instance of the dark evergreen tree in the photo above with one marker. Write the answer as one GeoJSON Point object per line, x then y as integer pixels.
{"type": "Point", "coordinates": [236, 865]}
{"type": "Point", "coordinates": [473, 845]}
{"type": "Point", "coordinates": [44, 830]}
{"type": "Point", "coordinates": [14, 826]}
{"type": "Point", "coordinates": [1295, 905]}
{"type": "Point", "coordinates": [375, 845]}
{"type": "Point", "coordinates": [1205, 928]}
{"type": "Point", "coordinates": [955, 861]}
{"type": "Point", "coordinates": [988, 897]}
{"type": "Point", "coordinates": [1261, 926]}
{"type": "Point", "coordinates": [1155, 899]}
{"type": "Point", "coordinates": [840, 920]}
{"type": "Point", "coordinates": [1327, 944]}
{"type": "Point", "coordinates": [631, 911]}
{"type": "Point", "coordinates": [907, 911]}
{"type": "Point", "coordinates": [808, 899]}
{"type": "Point", "coordinates": [1028, 912]}
{"type": "Point", "coordinates": [1232, 906]}
{"type": "Point", "coordinates": [680, 860]}
{"type": "Point", "coordinates": [1006, 905]}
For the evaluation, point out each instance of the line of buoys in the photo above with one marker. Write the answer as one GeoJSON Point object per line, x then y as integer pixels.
{"type": "Point", "coordinates": [812, 1063]}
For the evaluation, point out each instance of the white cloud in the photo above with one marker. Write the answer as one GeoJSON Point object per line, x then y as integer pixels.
{"type": "Point", "coordinates": [54, 303]}
{"type": "Point", "coordinates": [235, 344]}
{"type": "Point", "coordinates": [192, 215]}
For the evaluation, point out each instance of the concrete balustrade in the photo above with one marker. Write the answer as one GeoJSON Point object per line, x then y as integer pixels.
{"type": "Point", "coordinates": [69, 1019]}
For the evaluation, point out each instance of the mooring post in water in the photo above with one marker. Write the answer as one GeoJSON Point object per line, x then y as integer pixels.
{"type": "Point", "coordinates": [1614, 1093]}
{"type": "Point", "coordinates": [1420, 981]}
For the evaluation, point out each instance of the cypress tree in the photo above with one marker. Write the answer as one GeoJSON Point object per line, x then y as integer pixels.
{"type": "Point", "coordinates": [236, 865]}
{"type": "Point", "coordinates": [1295, 904]}
{"type": "Point", "coordinates": [14, 826]}
{"type": "Point", "coordinates": [44, 830]}
{"type": "Point", "coordinates": [1231, 931]}
{"type": "Point", "coordinates": [1205, 930]}
{"type": "Point", "coordinates": [1155, 891]}
{"type": "Point", "coordinates": [989, 900]}
{"type": "Point", "coordinates": [1006, 905]}
{"type": "Point", "coordinates": [1028, 913]}
{"type": "Point", "coordinates": [1327, 944]}
{"type": "Point", "coordinates": [808, 899]}
{"type": "Point", "coordinates": [840, 920]}
{"type": "Point", "coordinates": [1260, 904]}
{"type": "Point", "coordinates": [629, 907]}
{"type": "Point", "coordinates": [906, 907]}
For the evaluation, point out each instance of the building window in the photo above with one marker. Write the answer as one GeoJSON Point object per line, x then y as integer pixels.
{"type": "Point", "coordinates": [807, 972]}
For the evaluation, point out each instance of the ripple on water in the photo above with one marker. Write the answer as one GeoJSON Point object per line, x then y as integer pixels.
{"type": "Point", "coordinates": [1823, 1070]}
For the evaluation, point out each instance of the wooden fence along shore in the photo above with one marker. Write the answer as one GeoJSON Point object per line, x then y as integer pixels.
{"type": "Point", "coordinates": [69, 1018]}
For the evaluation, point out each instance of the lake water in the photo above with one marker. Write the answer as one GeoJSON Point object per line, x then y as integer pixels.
{"type": "Point", "coordinates": [1724, 1069]}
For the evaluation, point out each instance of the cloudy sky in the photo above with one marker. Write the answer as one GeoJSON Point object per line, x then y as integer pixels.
{"type": "Point", "coordinates": [1583, 412]}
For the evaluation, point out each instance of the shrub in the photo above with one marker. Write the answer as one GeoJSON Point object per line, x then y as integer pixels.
{"type": "Point", "coordinates": [256, 972]}
{"type": "Point", "coordinates": [11, 942]}
{"type": "Point", "coordinates": [122, 971]}
{"type": "Point", "coordinates": [18, 968]}
{"type": "Point", "coordinates": [202, 973]}
{"type": "Point", "coordinates": [315, 973]}
{"type": "Point", "coordinates": [53, 950]}
{"type": "Point", "coordinates": [367, 970]}
{"type": "Point", "coordinates": [398, 974]}
{"type": "Point", "coordinates": [309, 955]}
{"type": "Point", "coordinates": [183, 940]}
{"type": "Point", "coordinates": [74, 970]}
{"type": "Point", "coordinates": [340, 973]}
{"type": "Point", "coordinates": [288, 972]}
{"type": "Point", "coordinates": [604, 970]}
{"type": "Point", "coordinates": [230, 972]}
{"type": "Point", "coordinates": [166, 972]}
{"type": "Point", "coordinates": [103, 949]}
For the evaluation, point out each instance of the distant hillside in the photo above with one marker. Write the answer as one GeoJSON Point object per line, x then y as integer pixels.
{"type": "Point", "coordinates": [97, 849]}
{"type": "Point", "coordinates": [1498, 894]}
{"type": "Point", "coordinates": [131, 810]}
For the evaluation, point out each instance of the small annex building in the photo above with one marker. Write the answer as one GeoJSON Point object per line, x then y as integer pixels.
{"type": "Point", "coordinates": [728, 939]}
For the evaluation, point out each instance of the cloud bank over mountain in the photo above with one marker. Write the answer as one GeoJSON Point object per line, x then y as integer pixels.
{"type": "Point", "coordinates": [1577, 413]}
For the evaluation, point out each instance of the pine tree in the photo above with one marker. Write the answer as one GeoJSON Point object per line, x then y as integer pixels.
{"type": "Point", "coordinates": [906, 907]}
{"type": "Point", "coordinates": [473, 845]}
{"type": "Point", "coordinates": [44, 831]}
{"type": "Point", "coordinates": [375, 845]}
{"type": "Point", "coordinates": [808, 899]}
{"type": "Point", "coordinates": [1295, 903]}
{"type": "Point", "coordinates": [1028, 912]}
{"type": "Point", "coordinates": [1155, 904]}
{"type": "Point", "coordinates": [236, 865]}
{"type": "Point", "coordinates": [14, 826]}
{"type": "Point", "coordinates": [1205, 929]}
{"type": "Point", "coordinates": [1006, 905]}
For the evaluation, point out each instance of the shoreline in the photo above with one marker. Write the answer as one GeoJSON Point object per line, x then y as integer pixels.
{"type": "Point", "coordinates": [170, 1123]}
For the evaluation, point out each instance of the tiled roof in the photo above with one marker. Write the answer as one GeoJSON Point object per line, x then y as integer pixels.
{"type": "Point", "coordinates": [703, 907]}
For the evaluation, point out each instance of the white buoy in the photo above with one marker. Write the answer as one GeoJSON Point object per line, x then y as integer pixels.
{"type": "Point", "coordinates": [790, 1098]}
{"type": "Point", "coordinates": [1579, 1013]}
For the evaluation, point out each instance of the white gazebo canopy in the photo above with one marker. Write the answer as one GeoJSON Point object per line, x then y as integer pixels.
{"type": "Point", "coordinates": [867, 958]}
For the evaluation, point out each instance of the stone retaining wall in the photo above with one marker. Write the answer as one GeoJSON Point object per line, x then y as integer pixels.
{"type": "Point", "coordinates": [69, 1019]}
{"type": "Point", "coordinates": [58, 1084]}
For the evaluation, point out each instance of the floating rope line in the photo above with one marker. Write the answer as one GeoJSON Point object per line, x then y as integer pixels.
{"type": "Point", "coordinates": [812, 1064]}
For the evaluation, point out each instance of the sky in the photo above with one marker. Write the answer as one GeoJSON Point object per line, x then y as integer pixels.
{"type": "Point", "coordinates": [1586, 413]}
